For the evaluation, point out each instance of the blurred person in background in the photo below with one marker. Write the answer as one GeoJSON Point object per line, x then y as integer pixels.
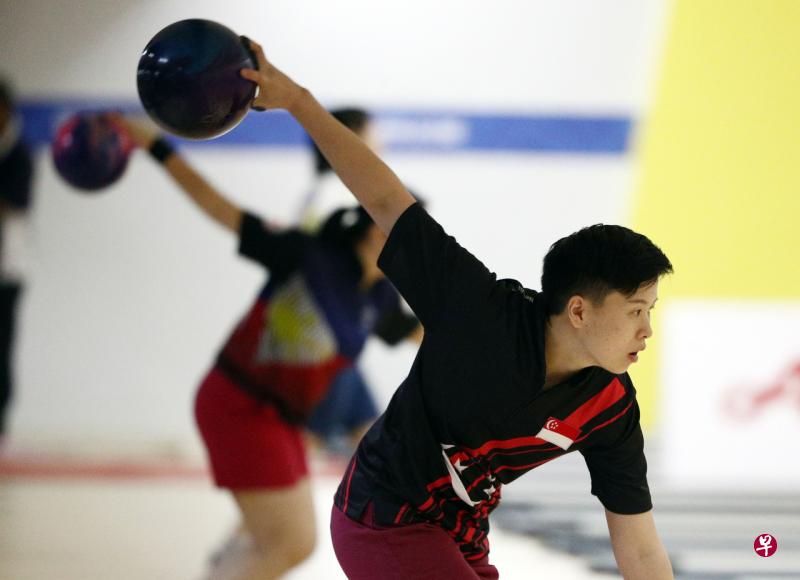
{"type": "Point", "coordinates": [324, 296]}
{"type": "Point", "coordinates": [348, 409]}
{"type": "Point", "coordinates": [16, 177]}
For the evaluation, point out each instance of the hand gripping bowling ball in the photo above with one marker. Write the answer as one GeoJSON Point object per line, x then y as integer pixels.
{"type": "Point", "coordinates": [91, 151]}
{"type": "Point", "coordinates": [188, 79]}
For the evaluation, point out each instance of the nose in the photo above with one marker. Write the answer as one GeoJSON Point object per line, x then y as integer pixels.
{"type": "Point", "coordinates": [647, 329]}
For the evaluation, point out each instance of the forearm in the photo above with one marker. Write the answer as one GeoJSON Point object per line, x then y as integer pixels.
{"type": "Point", "coordinates": [215, 205]}
{"type": "Point", "coordinates": [651, 565]}
{"type": "Point", "coordinates": [639, 552]}
{"type": "Point", "coordinates": [372, 182]}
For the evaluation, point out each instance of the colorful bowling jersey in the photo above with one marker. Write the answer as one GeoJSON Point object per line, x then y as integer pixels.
{"type": "Point", "coordinates": [310, 320]}
{"type": "Point", "coordinates": [472, 415]}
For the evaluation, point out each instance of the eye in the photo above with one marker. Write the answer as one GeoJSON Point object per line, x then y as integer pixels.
{"type": "Point", "coordinates": [637, 313]}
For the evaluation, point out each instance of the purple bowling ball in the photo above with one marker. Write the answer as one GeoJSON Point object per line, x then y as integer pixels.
{"type": "Point", "coordinates": [188, 79]}
{"type": "Point", "coordinates": [91, 151]}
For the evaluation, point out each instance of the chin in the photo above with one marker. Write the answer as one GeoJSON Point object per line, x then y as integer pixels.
{"type": "Point", "coordinates": [617, 369]}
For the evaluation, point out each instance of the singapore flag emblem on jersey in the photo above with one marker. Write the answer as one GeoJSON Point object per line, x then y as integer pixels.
{"type": "Point", "coordinates": [558, 433]}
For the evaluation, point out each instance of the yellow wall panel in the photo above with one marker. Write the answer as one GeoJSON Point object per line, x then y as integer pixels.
{"type": "Point", "coordinates": [720, 158]}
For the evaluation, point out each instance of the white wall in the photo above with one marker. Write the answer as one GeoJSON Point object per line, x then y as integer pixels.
{"type": "Point", "coordinates": [514, 54]}
{"type": "Point", "coordinates": [132, 291]}
{"type": "Point", "coordinates": [738, 394]}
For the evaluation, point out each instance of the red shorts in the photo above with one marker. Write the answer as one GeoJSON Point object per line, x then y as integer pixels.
{"type": "Point", "coordinates": [249, 444]}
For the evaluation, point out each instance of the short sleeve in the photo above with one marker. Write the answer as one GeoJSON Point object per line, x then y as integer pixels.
{"type": "Point", "coordinates": [619, 469]}
{"type": "Point", "coordinates": [280, 251]}
{"type": "Point", "coordinates": [435, 275]}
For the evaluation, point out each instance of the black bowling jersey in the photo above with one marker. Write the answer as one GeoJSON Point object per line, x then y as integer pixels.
{"type": "Point", "coordinates": [472, 415]}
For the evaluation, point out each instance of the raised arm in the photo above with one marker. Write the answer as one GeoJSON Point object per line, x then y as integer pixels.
{"type": "Point", "coordinates": [212, 202]}
{"type": "Point", "coordinates": [373, 183]}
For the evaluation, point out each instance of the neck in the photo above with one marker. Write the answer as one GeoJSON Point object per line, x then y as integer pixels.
{"type": "Point", "coordinates": [564, 354]}
{"type": "Point", "coordinates": [370, 273]}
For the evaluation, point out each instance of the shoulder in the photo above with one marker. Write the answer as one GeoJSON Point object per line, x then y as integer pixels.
{"type": "Point", "coordinates": [255, 224]}
{"type": "Point", "coordinates": [515, 288]}
{"type": "Point", "coordinates": [522, 307]}
{"type": "Point", "coordinates": [273, 246]}
{"type": "Point", "coordinates": [617, 388]}
{"type": "Point", "coordinates": [610, 396]}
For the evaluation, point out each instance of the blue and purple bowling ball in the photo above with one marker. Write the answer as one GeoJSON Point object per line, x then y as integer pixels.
{"type": "Point", "coordinates": [188, 79]}
{"type": "Point", "coordinates": [91, 151]}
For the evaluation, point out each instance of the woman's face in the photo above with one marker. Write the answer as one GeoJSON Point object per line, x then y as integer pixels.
{"type": "Point", "coordinates": [615, 332]}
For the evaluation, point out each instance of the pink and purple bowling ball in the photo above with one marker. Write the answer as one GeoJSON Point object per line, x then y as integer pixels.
{"type": "Point", "coordinates": [91, 151]}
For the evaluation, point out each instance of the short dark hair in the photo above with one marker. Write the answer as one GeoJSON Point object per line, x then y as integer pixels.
{"type": "Point", "coordinates": [354, 119]}
{"type": "Point", "coordinates": [598, 260]}
{"type": "Point", "coordinates": [345, 227]}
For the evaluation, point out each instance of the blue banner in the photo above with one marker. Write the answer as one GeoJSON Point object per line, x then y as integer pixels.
{"type": "Point", "coordinates": [400, 131]}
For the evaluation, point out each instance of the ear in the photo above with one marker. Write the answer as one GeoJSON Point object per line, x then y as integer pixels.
{"type": "Point", "coordinates": [576, 310]}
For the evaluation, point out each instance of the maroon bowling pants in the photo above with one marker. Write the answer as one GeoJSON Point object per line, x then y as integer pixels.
{"type": "Point", "coordinates": [367, 551]}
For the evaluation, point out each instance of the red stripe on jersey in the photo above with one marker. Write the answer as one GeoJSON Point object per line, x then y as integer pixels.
{"type": "Point", "coordinates": [604, 424]}
{"type": "Point", "coordinates": [547, 449]}
{"type": "Point", "coordinates": [611, 420]}
{"type": "Point", "coordinates": [522, 467]}
{"type": "Point", "coordinates": [612, 393]}
{"type": "Point", "coordinates": [439, 483]}
{"type": "Point", "coordinates": [506, 444]}
{"type": "Point", "coordinates": [459, 522]}
{"type": "Point", "coordinates": [400, 514]}
{"type": "Point", "coordinates": [477, 481]}
{"type": "Point", "coordinates": [469, 534]}
{"type": "Point", "coordinates": [428, 503]}
{"type": "Point", "coordinates": [347, 487]}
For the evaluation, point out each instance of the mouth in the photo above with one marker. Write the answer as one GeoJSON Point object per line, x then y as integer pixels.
{"type": "Point", "coordinates": [634, 356]}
